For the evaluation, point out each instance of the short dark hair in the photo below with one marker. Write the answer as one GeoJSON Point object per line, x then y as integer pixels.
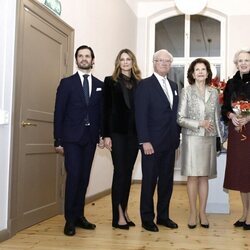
{"type": "Point", "coordinates": [191, 70]}
{"type": "Point", "coordinates": [85, 47]}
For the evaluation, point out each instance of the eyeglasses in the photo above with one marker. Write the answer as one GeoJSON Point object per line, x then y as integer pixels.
{"type": "Point", "coordinates": [161, 61]}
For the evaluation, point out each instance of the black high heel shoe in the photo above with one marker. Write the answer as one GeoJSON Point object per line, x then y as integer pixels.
{"type": "Point", "coordinates": [130, 223]}
{"type": "Point", "coordinates": [191, 226]}
{"type": "Point", "coordinates": [124, 227]}
{"type": "Point", "coordinates": [239, 223]}
{"type": "Point", "coordinates": [204, 225]}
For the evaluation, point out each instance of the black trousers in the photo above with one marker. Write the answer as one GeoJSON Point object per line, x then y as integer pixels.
{"type": "Point", "coordinates": [78, 162]}
{"type": "Point", "coordinates": [124, 153]}
{"type": "Point", "coordinates": [157, 169]}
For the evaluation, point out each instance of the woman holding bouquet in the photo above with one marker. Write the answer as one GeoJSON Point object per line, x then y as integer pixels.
{"type": "Point", "coordinates": [237, 175]}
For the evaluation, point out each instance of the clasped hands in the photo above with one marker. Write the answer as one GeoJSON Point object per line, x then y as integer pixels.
{"type": "Point", "coordinates": [207, 125]}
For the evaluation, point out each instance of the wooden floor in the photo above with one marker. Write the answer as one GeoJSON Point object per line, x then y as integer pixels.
{"type": "Point", "coordinates": [221, 235]}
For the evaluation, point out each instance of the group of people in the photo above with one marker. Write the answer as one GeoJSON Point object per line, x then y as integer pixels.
{"type": "Point", "coordinates": [126, 114]}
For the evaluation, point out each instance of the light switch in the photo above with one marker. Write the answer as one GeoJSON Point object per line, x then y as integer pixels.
{"type": "Point", "coordinates": [4, 117]}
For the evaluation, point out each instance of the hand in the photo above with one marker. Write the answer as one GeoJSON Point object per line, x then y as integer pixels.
{"type": "Point", "coordinates": [148, 148]}
{"type": "Point", "coordinates": [243, 120]}
{"type": "Point", "coordinates": [108, 143]}
{"type": "Point", "coordinates": [207, 125]}
{"type": "Point", "coordinates": [59, 150]}
{"type": "Point", "coordinates": [101, 143]}
{"type": "Point", "coordinates": [234, 119]}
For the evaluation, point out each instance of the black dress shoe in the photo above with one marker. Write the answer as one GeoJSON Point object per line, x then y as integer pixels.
{"type": "Point", "coordinates": [124, 227]}
{"type": "Point", "coordinates": [69, 229]}
{"type": "Point", "coordinates": [167, 223]}
{"type": "Point", "coordinates": [150, 226]}
{"type": "Point", "coordinates": [83, 223]}
{"type": "Point", "coordinates": [246, 226]}
{"type": "Point", "coordinates": [191, 226]}
{"type": "Point", "coordinates": [239, 223]}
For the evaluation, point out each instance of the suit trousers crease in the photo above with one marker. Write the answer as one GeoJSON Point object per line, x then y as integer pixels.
{"type": "Point", "coordinates": [78, 162]}
{"type": "Point", "coordinates": [157, 169]}
{"type": "Point", "coordinates": [124, 153]}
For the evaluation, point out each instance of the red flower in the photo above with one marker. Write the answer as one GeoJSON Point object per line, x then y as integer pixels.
{"type": "Point", "coordinates": [220, 86]}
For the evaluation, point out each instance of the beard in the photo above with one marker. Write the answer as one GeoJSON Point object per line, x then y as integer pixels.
{"type": "Point", "coordinates": [84, 65]}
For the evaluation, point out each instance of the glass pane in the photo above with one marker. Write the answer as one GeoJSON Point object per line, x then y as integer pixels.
{"type": "Point", "coordinates": [169, 34]}
{"type": "Point", "coordinates": [176, 74]}
{"type": "Point", "coordinates": [204, 36]}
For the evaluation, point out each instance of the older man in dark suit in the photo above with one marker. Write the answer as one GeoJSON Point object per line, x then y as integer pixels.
{"type": "Point", "coordinates": [156, 102]}
{"type": "Point", "coordinates": [77, 124]}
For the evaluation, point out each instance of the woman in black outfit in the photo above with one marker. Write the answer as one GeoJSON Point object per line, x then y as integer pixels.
{"type": "Point", "coordinates": [237, 175]}
{"type": "Point", "coordinates": [119, 131]}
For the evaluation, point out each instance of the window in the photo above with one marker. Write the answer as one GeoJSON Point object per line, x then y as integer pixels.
{"type": "Point", "coordinates": [186, 38]}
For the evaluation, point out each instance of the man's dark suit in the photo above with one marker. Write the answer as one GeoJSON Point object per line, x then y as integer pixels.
{"type": "Point", "coordinates": [156, 123]}
{"type": "Point", "coordinates": [79, 141]}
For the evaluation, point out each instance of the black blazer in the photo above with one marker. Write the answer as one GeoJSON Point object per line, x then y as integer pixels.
{"type": "Point", "coordinates": [237, 88]}
{"type": "Point", "coordinates": [71, 108]}
{"type": "Point", "coordinates": [118, 112]}
{"type": "Point", "coordinates": [156, 122]}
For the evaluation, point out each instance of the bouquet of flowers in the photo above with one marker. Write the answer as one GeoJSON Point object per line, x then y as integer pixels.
{"type": "Point", "coordinates": [241, 108]}
{"type": "Point", "coordinates": [220, 86]}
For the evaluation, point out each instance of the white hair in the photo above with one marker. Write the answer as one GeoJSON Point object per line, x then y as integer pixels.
{"type": "Point", "coordinates": [236, 56]}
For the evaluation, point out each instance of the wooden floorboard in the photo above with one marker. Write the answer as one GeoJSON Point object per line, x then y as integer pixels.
{"type": "Point", "coordinates": [221, 235]}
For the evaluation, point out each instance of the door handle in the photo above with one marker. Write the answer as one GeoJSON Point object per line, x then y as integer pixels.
{"type": "Point", "coordinates": [25, 124]}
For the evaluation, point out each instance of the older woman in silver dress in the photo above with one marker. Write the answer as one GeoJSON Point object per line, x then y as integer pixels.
{"type": "Point", "coordinates": [199, 117]}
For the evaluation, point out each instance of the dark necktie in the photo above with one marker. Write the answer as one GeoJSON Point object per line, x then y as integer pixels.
{"type": "Point", "coordinates": [86, 88]}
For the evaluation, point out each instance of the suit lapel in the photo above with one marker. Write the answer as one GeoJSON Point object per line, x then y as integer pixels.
{"type": "Point", "coordinates": [207, 93]}
{"type": "Point", "coordinates": [174, 92]}
{"type": "Point", "coordinates": [159, 89]}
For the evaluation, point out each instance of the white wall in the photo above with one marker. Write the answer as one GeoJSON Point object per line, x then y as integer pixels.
{"type": "Point", "coordinates": [7, 31]}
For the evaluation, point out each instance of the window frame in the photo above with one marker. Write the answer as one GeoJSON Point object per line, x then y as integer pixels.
{"type": "Point", "coordinates": [186, 60]}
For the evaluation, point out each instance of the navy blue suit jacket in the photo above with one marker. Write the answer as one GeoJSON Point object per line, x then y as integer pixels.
{"type": "Point", "coordinates": [71, 108]}
{"type": "Point", "coordinates": [155, 120]}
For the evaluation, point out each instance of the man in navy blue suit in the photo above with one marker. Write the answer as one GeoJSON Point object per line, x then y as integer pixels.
{"type": "Point", "coordinates": [77, 130]}
{"type": "Point", "coordinates": [156, 101]}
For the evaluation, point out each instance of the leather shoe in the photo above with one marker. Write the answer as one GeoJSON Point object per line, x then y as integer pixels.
{"type": "Point", "coordinates": [150, 226]}
{"type": "Point", "coordinates": [131, 223]}
{"type": "Point", "coordinates": [116, 225]}
{"type": "Point", "coordinates": [69, 229]}
{"type": "Point", "coordinates": [239, 223]}
{"type": "Point", "coordinates": [205, 225]}
{"type": "Point", "coordinates": [167, 223]}
{"type": "Point", "coordinates": [246, 226]}
{"type": "Point", "coordinates": [83, 223]}
{"type": "Point", "coordinates": [191, 226]}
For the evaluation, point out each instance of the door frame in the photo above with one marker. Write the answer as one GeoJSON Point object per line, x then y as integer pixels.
{"type": "Point", "coordinates": [51, 18]}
